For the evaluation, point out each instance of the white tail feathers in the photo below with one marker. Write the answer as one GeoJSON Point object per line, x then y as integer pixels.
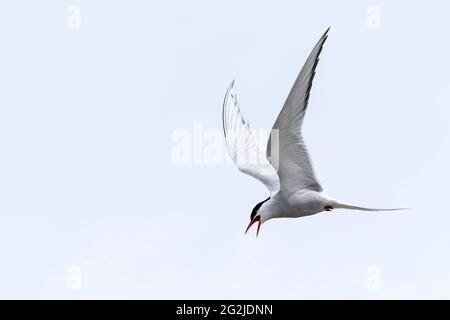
{"type": "Point", "coordinates": [337, 204]}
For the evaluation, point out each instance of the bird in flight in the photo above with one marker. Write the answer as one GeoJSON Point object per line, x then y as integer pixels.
{"type": "Point", "coordinates": [286, 168]}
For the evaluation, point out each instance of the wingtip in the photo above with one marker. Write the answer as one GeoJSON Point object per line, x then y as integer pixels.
{"type": "Point", "coordinates": [325, 34]}
{"type": "Point", "coordinates": [230, 89]}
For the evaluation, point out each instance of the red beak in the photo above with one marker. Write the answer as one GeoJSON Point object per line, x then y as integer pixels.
{"type": "Point", "coordinates": [255, 219]}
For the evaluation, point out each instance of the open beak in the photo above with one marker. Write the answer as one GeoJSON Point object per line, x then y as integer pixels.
{"type": "Point", "coordinates": [255, 219]}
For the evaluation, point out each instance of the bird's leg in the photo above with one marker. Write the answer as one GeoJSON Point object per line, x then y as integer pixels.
{"type": "Point", "coordinates": [328, 208]}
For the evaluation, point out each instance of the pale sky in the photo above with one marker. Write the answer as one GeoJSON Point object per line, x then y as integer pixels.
{"type": "Point", "coordinates": [92, 204]}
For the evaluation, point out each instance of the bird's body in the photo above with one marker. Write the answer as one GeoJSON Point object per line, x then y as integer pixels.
{"type": "Point", "coordinates": [286, 168]}
{"type": "Point", "coordinates": [299, 204]}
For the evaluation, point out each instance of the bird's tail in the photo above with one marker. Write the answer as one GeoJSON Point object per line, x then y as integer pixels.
{"type": "Point", "coordinates": [338, 204]}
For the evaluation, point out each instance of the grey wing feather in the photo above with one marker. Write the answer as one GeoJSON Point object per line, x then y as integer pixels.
{"type": "Point", "coordinates": [292, 160]}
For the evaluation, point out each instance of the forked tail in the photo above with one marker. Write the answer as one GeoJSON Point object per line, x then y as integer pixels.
{"type": "Point", "coordinates": [338, 204]}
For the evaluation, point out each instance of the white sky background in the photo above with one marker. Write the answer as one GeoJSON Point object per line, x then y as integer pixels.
{"type": "Point", "coordinates": [92, 205]}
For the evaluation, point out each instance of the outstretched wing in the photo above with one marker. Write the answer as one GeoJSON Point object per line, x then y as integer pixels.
{"type": "Point", "coordinates": [294, 165]}
{"type": "Point", "coordinates": [242, 145]}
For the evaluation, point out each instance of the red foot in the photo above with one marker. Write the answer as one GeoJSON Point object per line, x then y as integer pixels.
{"type": "Point", "coordinates": [328, 208]}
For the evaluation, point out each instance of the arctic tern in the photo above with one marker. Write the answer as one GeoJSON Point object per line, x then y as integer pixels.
{"type": "Point", "coordinates": [294, 188]}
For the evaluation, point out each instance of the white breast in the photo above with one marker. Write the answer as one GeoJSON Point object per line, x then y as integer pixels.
{"type": "Point", "coordinates": [299, 204]}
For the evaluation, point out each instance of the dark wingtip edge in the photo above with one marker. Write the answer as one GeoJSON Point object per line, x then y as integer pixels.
{"type": "Point", "coordinates": [325, 34]}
